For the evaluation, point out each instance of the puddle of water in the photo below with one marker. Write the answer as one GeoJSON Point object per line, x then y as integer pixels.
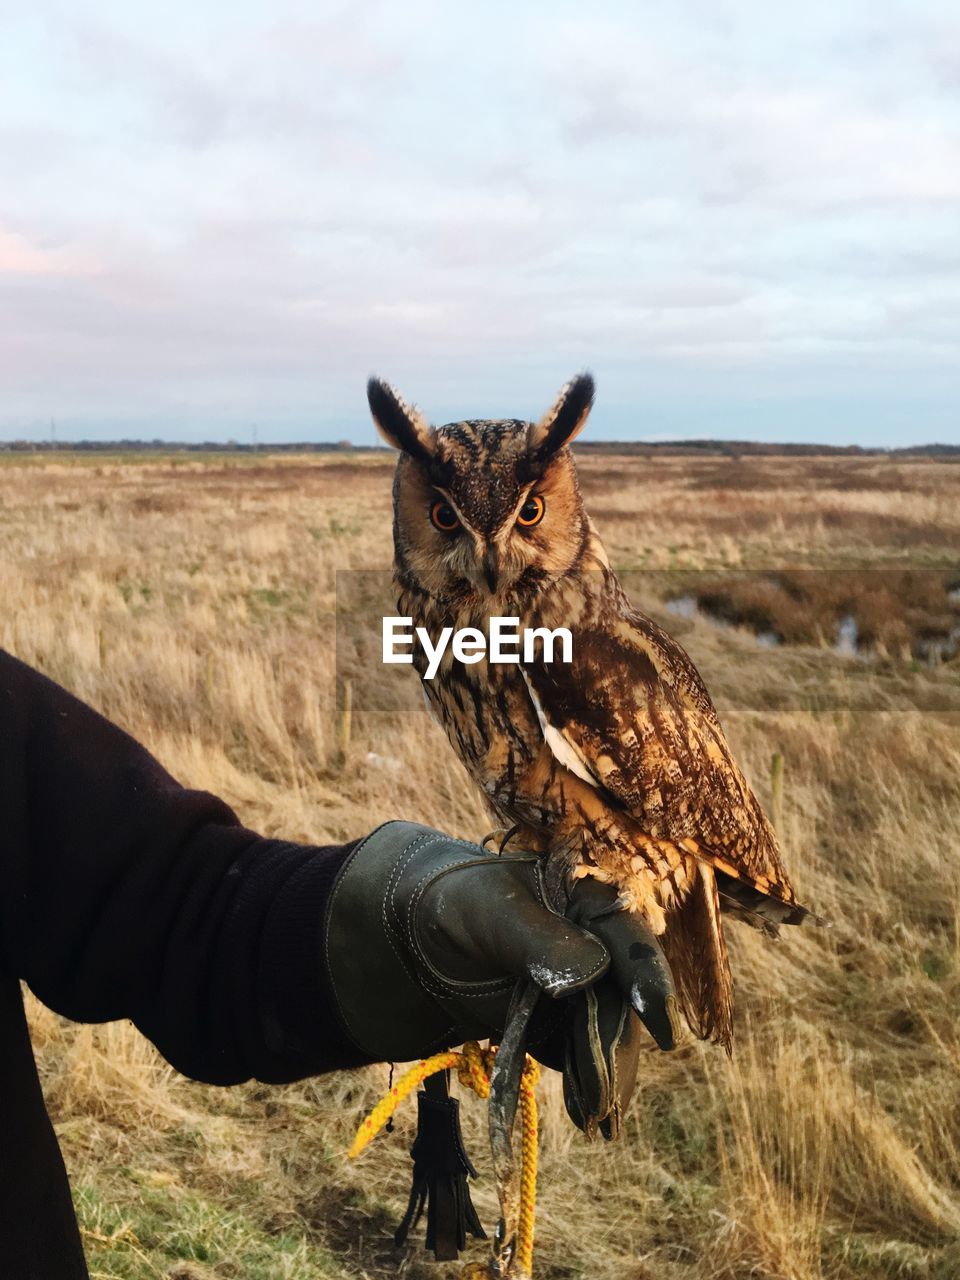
{"type": "Point", "coordinates": [687, 607]}
{"type": "Point", "coordinates": [846, 641]}
{"type": "Point", "coordinates": [682, 606]}
{"type": "Point", "coordinates": [932, 649]}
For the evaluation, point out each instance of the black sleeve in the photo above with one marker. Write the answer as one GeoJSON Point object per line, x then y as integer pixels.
{"type": "Point", "coordinates": [124, 895]}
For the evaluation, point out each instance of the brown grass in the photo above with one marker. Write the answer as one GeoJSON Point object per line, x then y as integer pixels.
{"type": "Point", "coordinates": [194, 602]}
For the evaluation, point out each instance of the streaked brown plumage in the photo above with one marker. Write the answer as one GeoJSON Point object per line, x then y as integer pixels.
{"type": "Point", "coordinates": [616, 765]}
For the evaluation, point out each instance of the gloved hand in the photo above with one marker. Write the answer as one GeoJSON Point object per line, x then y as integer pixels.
{"type": "Point", "coordinates": [426, 937]}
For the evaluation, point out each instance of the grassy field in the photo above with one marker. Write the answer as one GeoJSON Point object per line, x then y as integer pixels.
{"type": "Point", "coordinates": [193, 601]}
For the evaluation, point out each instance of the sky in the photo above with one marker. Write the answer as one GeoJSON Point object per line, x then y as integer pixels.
{"type": "Point", "coordinates": [743, 218]}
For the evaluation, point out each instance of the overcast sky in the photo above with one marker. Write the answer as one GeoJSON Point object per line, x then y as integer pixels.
{"type": "Point", "coordinates": [743, 217]}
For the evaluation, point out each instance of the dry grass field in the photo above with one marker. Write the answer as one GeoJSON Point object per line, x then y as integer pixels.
{"type": "Point", "coordinates": [192, 599]}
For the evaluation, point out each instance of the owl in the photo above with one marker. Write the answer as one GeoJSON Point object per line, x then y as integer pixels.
{"type": "Point", "coordinates": [614, 765]}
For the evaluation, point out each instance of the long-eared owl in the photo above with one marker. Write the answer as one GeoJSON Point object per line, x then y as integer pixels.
{"type": "Point", "coordinates": [614, 765]}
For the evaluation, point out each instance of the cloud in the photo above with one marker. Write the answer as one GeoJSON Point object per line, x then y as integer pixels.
{"type": "Point", "coordinates": [218, 214]}
{"type": "Point", "coordinates": [20, 257]}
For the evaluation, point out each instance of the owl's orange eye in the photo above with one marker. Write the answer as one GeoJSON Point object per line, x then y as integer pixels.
{"type": "Point", "coordinates": [531, 512]}
{"type": "Point", "coordinates": [443, 517]}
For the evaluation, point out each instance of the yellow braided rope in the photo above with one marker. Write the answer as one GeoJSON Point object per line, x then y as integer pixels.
{"type": "Point", "coordinates": [473, 1066]}
{"type": "Point", "coordinates": [530, 1126]}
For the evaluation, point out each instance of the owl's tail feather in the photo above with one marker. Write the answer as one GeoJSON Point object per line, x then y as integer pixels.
{"type": "Point", "coordinates": [742, 901]}
{"type": "Point", "coordinates": [697, 954]}
{"type": "Point", "coordinates": [752, 895]}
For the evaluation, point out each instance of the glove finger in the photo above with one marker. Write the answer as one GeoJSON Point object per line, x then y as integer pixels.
{"type": "Point", "coordinates": [520, 937]}
{"type": "Point", "coordinates": [642, 973]}
{"type": "Point", "coordinates": [623, 1056]}
{"type": "Point", "coordinates": [637, 962]}
{"type": "Point", "coordinates": [573, 1098]}
{"type": "Point", "coordinates": [600, 1065]}
{"type": "Point", "coordinates": [560, 957]}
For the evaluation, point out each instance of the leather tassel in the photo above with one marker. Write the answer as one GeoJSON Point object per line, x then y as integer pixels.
{"type": "Point", "coordinates": [441, 1167]}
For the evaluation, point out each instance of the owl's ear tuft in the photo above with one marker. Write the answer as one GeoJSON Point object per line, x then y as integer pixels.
{"type": "Point", "coordinates": [403, 426]}
{"type": "Point", "coordinates": [565, 418]}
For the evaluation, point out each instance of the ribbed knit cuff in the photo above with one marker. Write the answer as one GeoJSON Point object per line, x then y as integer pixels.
{"type": "Point", "coordinates": [301, 1028]}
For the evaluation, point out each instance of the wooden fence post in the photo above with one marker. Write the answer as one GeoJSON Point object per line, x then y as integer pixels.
{"type": "Point", "coordinates": [776, 789]}
{"type": "Point", "coordinates": [344, 723]}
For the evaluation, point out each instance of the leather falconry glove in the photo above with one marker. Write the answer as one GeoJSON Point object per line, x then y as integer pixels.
{"type": "Point", "coordinates": [426, 937]}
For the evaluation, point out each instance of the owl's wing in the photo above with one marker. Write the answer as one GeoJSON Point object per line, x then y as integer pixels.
{"type": "Point", "coordinates": [631, 716]}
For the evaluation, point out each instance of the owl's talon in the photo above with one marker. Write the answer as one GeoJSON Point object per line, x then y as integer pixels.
{"type": "Point", "coordinates": [509, 836]}
{"type": "Point", "coordinates": [497, 838]}
{"type": "Point", "coordinates": [620, 903]}
{"type": "Point", "coordinates": [500, 837]}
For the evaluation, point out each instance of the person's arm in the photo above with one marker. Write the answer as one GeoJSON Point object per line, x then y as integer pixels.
{"type": "Point", "coordinates": [124, 895]}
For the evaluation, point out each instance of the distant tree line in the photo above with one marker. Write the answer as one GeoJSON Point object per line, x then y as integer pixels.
{"type": "Point", "coordinates": [762, 449]}
{"type": "Point", "coordinates": [178, 446]}
{"type": "Point", "coordinates": [632, 448]}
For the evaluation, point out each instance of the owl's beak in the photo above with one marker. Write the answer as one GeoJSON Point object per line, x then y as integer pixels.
{"type": "Point", "coordinates": [491, 567]}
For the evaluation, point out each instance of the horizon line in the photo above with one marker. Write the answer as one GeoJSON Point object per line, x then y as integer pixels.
{"type": "Point", "coordinates": [692, 444]}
